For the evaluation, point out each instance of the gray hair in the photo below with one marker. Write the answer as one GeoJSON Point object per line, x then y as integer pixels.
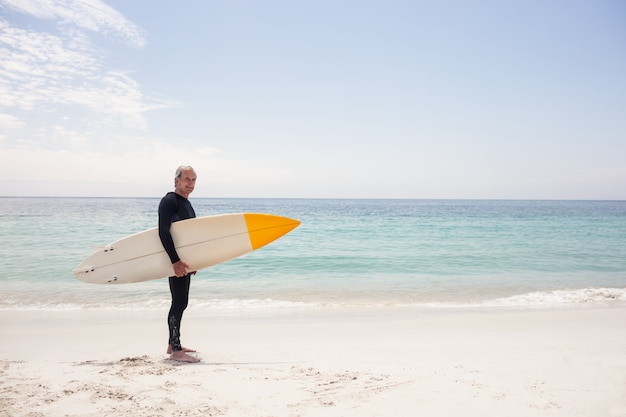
{"type": "Point", "coordinates": [181, 169]}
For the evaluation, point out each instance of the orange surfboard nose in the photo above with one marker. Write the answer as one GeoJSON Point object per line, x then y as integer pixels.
{"type": "Point", "coordinates": [266, 228]}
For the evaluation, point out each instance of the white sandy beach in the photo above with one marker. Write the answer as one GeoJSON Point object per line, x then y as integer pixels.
{"type": "Point", "coordinates": [569, 362]}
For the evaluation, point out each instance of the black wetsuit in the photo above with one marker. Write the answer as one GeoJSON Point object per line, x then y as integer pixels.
{"type": "Point", "coordinates": [172, 208]}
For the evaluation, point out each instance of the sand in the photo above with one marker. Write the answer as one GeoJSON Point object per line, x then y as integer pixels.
{"type": "Point", "coordinates": [385, 362]}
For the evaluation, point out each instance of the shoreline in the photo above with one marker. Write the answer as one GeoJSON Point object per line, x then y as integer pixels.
{"type": "Point", "coordinates": [558, 362]}
{"type": "Point", "coordinates": [157, 299]}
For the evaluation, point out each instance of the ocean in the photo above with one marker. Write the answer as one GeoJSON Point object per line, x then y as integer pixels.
{"type": "Point", "coordinates": [385, 254]}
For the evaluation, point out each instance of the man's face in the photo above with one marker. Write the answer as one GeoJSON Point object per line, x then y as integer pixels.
{"type": "Point", "coordinates": [186, 183]}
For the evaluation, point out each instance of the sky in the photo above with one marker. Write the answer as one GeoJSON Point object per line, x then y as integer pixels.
{"type": "Point", "coordinates": [314, 99]}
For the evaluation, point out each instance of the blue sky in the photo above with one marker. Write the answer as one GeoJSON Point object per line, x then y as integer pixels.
{"type": "Point", "coordinates": [347, 99]}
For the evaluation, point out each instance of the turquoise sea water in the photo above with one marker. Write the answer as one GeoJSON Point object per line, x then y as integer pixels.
{"type": "Point", "coordinates": [379, 253]}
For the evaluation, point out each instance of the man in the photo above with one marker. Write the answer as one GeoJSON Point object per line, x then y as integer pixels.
{"type": "Point", "coordinates": [175, 206]}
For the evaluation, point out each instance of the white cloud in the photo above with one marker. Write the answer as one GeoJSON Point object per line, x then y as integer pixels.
{"type": "Point", "coordinates": [56, 81]}
{"type": "Point", "coordinates": [92, 15]}
{"type": "Point", "coordinates": [8, 121]}
{"type": "Point", "coordinates": [36, 67]}
{"type": "Point", "coordinates": [41, 70]}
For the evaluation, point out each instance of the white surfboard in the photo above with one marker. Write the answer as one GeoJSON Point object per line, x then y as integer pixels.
{"type": "Point", "coordinates": [201, 242]}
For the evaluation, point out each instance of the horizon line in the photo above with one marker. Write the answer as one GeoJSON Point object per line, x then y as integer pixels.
{"type": "Point", "coordinates": [322, 198]}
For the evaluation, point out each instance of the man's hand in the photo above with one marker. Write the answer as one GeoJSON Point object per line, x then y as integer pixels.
{"type": "Point", "coordinates": [180, 268]}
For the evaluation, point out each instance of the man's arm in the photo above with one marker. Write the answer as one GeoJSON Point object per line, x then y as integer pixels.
{"type": "Point", "coordinates": [167, 209]}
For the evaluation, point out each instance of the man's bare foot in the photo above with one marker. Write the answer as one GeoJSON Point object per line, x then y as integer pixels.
{"type": "Point", "coordinates": [182, 356]}
{"type": "Point", "coordinates": [185, 349]}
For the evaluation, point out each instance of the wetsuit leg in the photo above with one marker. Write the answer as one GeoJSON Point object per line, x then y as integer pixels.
{"type": "Point", "coordinates": [179, 288]}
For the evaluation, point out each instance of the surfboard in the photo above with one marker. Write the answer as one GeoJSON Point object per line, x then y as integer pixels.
{"type": "Point", "coordinates": [201, 242]}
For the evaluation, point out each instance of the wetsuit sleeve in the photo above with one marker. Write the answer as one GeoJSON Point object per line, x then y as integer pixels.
{"type": "Point", "coordinates": [167, 209]}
